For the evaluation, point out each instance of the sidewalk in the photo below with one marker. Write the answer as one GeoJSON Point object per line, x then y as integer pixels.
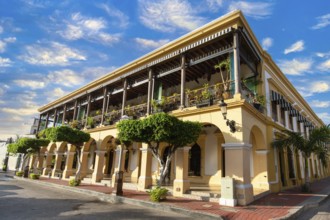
{"type": "Point", "coordinates": [283, 205]}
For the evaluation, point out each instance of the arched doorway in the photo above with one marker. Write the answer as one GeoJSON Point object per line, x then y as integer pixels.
{"type": "Point", "coordinates": [195, 160]}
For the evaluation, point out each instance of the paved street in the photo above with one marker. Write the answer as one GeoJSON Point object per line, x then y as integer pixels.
{"type": "Point", "coordinates": [319, 213]}
{"type": "Point", "coordinates": [24, 200]}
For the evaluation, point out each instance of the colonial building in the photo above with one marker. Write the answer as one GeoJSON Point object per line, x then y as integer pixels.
{"type": "Point", "coordinates": [188, 78]}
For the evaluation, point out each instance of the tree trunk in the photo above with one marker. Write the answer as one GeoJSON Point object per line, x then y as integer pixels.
{"type": "Point", "coordinates": [78, 153]}
{"type": "Point", "coordinates": [24, 161]}
{"type": "Point", "coordinates": [307, 178]}
{"type": "Point", "coordinates": [165, 169]}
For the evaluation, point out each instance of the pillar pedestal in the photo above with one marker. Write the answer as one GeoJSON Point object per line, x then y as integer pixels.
{"type": "Point", "coordinates": [57, 165]}
{"type": "Point", "coordinates": [237, 167]}
{"type": "Point", "coordinates": [99, 163]}
{"type": "Point", "coordinates": [181, 183]}
{"type": "Point", "coordinates": [47, 169]}
{"type": "Point", "coordinates": [145, 180]}
{"type": "Point", "coordinates": [67, 172]}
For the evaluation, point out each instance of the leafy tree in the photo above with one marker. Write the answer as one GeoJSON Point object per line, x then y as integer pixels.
{"type": "Point", "coordinates": [315, 143]}
{"type": "Point", "coordinates": [70, 135]}
{"type": "Point", "coordinates": [27, 146]}
{"type": "Point", "coordinates": [156, 129]}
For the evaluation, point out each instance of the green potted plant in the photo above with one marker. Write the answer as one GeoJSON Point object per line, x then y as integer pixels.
{"type": "Point", "coordinates": [224, 67]}
{"type": "Point", "coordinates": [158, 194]}
{"type": "Point", "coordinates": [259, 102]}
{"type": "Point", "coordinates": [90, 123]}
{"type": "Point", "coordinates": [158, 105]}
{"type": "Point", "coordinates": [205, 98]}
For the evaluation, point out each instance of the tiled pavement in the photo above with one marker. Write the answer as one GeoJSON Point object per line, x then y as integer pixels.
{"type": "Point", "coordinates": [283, 205]}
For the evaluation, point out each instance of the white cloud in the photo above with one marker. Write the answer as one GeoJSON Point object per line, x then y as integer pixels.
{"type": "Point", "coordinates": [320, 104]}
{"type": "Point", "coordinates": [54, 94]}
{"type": "Point", "coordinates": [66, 78]}
{"type": "Point", "coordinates": [52, 54]}
{"type": "Point", "coordinates": [2, 91]}
{"type": "Point", "coordinates": [296, 47]}
{"type": "Point", "coordinates": [10, 39]}
{"type": "Point", "coordinates": [169, 15]}
{"type": "Point", "coordinates": [30, 83]}
{"type": "Point", "coordinates": [122, 20]}
{"type": "Point", "coordinates": [267, 43]}
{"type": "Point", "coordinates": [150, 44]}
{"type": "Point", "coordinates": [257, 10]}
{"type": "Point", "coordinates": [315, 87]}
{"type": "Point", "coordinates": [214, 5]}
{"type": "Point", "coordinates": [323, 21]}
{"type": "Point", "coordinates": [325, 66]}
{"type": "Point", "coordinates": [2, 46]}
{"type": "Point", "coordinates": [325, 117]}
{"type": "Point", "coordinates": [4, 42]}
{"type": "Point", "coordinates": [31, 110]}
{"type": "Point", "coordinates": [5, 62]}
{"type": "Point", "coordinates": [322, 55]}
{"type": "Point", "coordinates": [92, 73]}
{"type": "Point", "coordinates": [295, 66]}
{"type": "Point", "coordinates": [91, 29]}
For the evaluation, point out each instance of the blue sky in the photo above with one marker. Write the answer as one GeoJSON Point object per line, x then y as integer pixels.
{"type": "Point", "coordinates": [49, 48]}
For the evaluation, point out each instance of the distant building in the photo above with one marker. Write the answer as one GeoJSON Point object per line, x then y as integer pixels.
{"type": "Point", "coordinates": [181, 78]}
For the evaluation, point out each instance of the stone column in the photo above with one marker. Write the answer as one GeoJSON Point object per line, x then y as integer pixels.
{"type": "Point", "coordinates": [84, 164]}
{"type": "Point", "coordinates": [145, 180]}
{"type": "Point", "coordinates": [238, 167]}
{"type": "Point", "coordinates": [98, 168]}
{"type": "Point", "coordinates": [181, 183]}
{"type": "Point", "coordinates": [119, 163]}
{"type": "Point", "coordinates": [67, 172]}
{"type": "Point", "coordinates": [40, 161]}
{"type": "Point", "coordinates": [48, 168]}
{"type": "Point", "coordinates": [32, 160]}
{"type": "Point", "coordinates": [183, 81]}
{"type": "Point", "coordinates": [58, 161]}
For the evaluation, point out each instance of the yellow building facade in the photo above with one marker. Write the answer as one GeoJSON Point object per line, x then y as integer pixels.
{"type": "Point", "coordinates": [182, 79]}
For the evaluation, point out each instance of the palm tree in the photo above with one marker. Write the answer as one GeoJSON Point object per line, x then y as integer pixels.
{"type": "Point", "coordinates": [315, 143]}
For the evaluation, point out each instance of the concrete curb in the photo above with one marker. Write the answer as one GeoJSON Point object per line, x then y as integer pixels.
{"type": "Point", "coordinates": [312, 202]}
{"type": "Point", "coordinates": [118, 199]}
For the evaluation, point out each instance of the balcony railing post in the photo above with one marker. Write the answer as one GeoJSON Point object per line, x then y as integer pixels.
{"type": "Point", "coordinates": [236, 63]}
{"type": "Point", "coordinates": [124, 97]}
{"type": "Point", "coordinates": [64, 113]}
{"type": "Point", "coordinates": [75, 110]}
{"type": "Point", "coordinates": [150, 86]}
{"type": "Point", "coordinates": [183, 81]}
{"type": "Point", "coordinates": [55, 117]}
{"type": "Point", "coordinates": [105, 91]}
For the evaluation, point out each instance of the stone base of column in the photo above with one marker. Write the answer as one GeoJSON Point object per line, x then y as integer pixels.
{"type": "Point", "coordinates": [67, 173]}
{"type": "Point", "coordinates": [96, 178]}
{"type": "Point", "coordinates": [180, 187]}
{"type": "Point", "coordinates": [144, 183]}
{"type": "Point", "coordinates": [244, 193]}
{"type": "Point", "coordinates": [228, 202]}
{"type": "Point", "coordinates": [46, 171]}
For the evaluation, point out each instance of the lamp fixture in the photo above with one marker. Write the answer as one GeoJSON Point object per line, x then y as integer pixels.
{"type": "Point", "coordinates": [230, 123]}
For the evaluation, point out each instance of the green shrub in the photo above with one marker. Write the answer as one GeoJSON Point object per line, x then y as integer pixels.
{"type": "Point", "coordinates": [158, 194]}
{"type": "Point", "coordinates": [74, 182]}
{"type": "Point", "coordinates": [34, 176]}
{"type": "Point", "coordinates": [19, 173]}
